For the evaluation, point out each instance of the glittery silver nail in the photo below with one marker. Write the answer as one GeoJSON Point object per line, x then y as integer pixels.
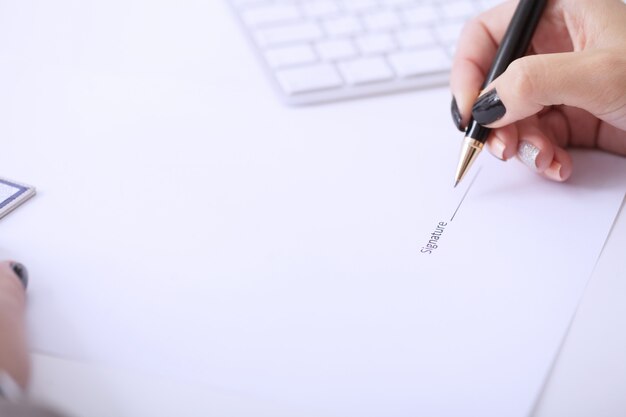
{"type": "Point", "coordinates": [528, 152]}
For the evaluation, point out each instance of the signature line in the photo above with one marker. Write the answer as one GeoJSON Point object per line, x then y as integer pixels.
{"type": "Point", "coordinates": [466, 191]}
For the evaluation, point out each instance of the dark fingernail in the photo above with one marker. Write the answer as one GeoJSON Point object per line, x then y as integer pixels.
{"type": "Point", "coordinates": [21, 272]}
{"type": "Point", "coordinates": [456, 115]}
{"type": "Point", "coordinates": [488, 108]}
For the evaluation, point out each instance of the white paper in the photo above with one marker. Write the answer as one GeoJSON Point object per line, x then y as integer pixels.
{"type": "Point", "coordinates": [325, 303]}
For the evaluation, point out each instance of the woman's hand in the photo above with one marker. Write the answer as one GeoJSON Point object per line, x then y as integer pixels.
{"type": "Point", "coordinates": [570, 91]}
{"type": "Point", "coordinates": [13, 350]}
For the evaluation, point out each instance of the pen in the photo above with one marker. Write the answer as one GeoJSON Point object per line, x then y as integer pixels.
{"type": "Point", "coordinates": [513, 46]}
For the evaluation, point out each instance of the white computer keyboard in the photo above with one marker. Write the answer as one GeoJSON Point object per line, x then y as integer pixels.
{"type": "Point", "coordinates": [324, 50]}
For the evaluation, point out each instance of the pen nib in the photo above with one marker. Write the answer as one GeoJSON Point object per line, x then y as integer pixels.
{"type": "Point", "coordinates": [456, 183]}
{"type": "Point", "coordinates": [470, 150]}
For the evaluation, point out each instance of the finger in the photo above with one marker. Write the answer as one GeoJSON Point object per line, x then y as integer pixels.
{"type": "Point", "coordinates": [586, 80]}
{"type": "Point", "coordinates": [502, 143]}
{"type": "Point", "coordinates": [539, 146]}
{"type": "Point", "coordinates": [11, 285]}
{"type": "Point", "coordinates": [475, 51]}
{"type": "Point", "coordinates": [553, 124]}
{"type": "Point", "coordinates": [573, 127]}
{"type": "Point", "coordinates": [535, 149]}
{"type": "Point", "coordinates": [14, 358]}
{"type": "Point", "coordinates": [611, 139]}
{"type": "Point", "coordinates": [555, 127]}
{"type": "Point", "coordinates": [14, 272]}
{"type": "Point", "coordinates": [561, 167]}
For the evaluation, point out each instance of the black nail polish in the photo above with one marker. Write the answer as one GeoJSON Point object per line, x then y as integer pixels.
{"type": "Point", "coordinates": [21, 272]}
{"type": "Point", "coordinates": [456, 115]}
{"type": "Point", "coordinates": [488, 108]}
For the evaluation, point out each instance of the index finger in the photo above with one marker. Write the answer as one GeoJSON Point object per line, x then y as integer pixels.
{"type": "Point", "coordinates": [475, 51]}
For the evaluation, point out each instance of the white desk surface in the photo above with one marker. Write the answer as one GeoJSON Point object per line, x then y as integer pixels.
{"type": "Point", "coordinates": [122, 54]}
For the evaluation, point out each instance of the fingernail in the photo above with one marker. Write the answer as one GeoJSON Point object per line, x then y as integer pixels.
{"type": "Point", "coordinates": [21, 272]}
{"type": "Point", "coordinates": [528, 152]}
{"type": "Point", "coordinates": [488, 108]}
{"type": "Point", "coordinates": [456, 115]}
{"type": "Point", "coordinates": [498, 147]}
{"type": "Point", "coordinates": [554, 171]}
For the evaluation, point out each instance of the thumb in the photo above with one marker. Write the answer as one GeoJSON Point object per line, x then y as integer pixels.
{"type": "Point", "coordinates": [588, 80]}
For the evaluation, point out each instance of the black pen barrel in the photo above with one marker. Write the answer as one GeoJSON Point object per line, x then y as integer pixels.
{"type": "Point", "coordinates": [514, 45]}
{"type": "Point", "coordinates": [517, 37]}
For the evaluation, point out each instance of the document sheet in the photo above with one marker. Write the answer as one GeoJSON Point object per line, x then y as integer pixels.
{"type": "Point", "coordinates": [342, 300]}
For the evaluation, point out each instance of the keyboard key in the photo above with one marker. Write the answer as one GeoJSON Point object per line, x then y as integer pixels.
{"type": "Point", "coordinates": [381, 20]}
{"type": "Point", "coordinates": [320, 8]}
{"type": "Point", "coordinates": [458, 10]}
{"type": "Point", "coordinates": [294, 32]}
{"type": "Point", "coordinates": [366, 70]}
{"type": "Point", "coordinates": [375, 44]}
{"type": "Point", "coordinates": [423, 61]}
{"type": "Point", "coordinates": [342, 26]}
{"type": "Point", "coordinates": [275, 13]}
{"type": "Point", "coordinates": [304, 79]}
{"type": "Point", "coordinates": [419, 15]}
{"type": "Point", "coordinates": [336, 49]}
{"type": "Point", "coordinates": [415, 38]}
{"type": "Point", "coordinates": [290, 55]}
{"type": "Point", "coordinates": [449, 33]}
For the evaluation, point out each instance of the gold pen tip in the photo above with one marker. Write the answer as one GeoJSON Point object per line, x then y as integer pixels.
{"type": "Point", "coordinates": [456, 183]}
{"type": "Point", "coordinates": [469, 151]}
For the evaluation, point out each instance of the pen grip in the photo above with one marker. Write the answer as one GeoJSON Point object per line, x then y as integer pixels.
{"type": "Point", "coordinates": [513, 46]}
{"type": "Point", "coordinates": [517, 37]}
